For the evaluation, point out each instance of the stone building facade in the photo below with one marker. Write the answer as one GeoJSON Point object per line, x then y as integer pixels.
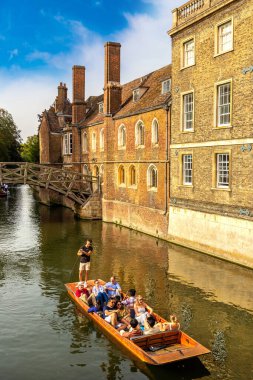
{"type": "Point", "coordinates": [211, 130]}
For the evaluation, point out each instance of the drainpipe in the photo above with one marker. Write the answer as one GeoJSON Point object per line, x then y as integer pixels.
{"type": "Point", "coordinates": [167, 109]}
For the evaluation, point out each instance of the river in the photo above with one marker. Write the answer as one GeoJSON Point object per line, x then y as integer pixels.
{"type": "Point", "coordinates": [44, 336]}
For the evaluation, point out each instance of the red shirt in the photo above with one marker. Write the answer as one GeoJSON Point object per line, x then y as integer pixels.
{"type": "Point", "coordinates": [79, 292]}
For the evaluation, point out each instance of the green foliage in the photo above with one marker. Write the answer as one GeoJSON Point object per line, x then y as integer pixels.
{"type": "Point", "coordinates": [30, 149]}
{"type": "Point", "coordinates": [10, 138]}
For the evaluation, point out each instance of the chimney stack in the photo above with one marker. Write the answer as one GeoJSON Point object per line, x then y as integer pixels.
{"type": "Point", "coordinates": [61, 99]}
{"type": "Point", "coordinates": [78, 104]}
{"type": "Point", "coordinates": [112, 87]}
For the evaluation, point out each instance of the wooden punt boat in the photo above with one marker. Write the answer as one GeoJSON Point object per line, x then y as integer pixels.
{"type": "Point", "coordinates": [170, 346]}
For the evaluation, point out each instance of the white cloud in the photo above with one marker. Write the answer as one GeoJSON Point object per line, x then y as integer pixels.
{"type": "Point", "coordinates": [145, 47]}
{"type": "Point", "coordinates": [13, 53]}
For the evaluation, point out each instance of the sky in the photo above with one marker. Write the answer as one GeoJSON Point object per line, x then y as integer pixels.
{"type": "Point", "coordinates": [41, 40]}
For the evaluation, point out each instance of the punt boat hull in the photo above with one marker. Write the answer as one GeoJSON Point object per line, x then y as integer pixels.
{"type": "Point", "coordinates": [175, 346]}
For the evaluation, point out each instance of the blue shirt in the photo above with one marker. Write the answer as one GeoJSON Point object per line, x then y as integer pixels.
{"type": "Point", "coordinates": [116, 288]}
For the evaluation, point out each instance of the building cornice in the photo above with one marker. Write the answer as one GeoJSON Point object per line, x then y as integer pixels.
{"type": "Point", "coordinates": [209, 7]}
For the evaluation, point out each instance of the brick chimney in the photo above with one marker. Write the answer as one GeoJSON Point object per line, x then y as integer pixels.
{"type": "Point", "coordinates": [61, 99]}
{"type": "Point", "coordinates": [78, 112]}
{"type": "Point", "coordinates": [78, 104]}
{"type": "Point", "coordinates": [112, 87]}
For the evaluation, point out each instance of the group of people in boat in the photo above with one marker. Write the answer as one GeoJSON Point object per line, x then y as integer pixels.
{"type": "Point", "coordinates": [128, 314]}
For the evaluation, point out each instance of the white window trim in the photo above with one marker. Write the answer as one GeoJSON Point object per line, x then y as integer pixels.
{"type": "Point", "coordinates": [183, 66]}
{"type": "Point", "coordinates": [155, 143]}
{"type": "Point", "coordinates": [216, 39]}
{"type": "Point", "coordinates": [93, 142]}
{"type": "Point", "coordinates": [102, 140]}
{"type": "Point", "coordinates": [216, 102]}
{"type": "Point", "coordinates": [184, 183]}
{"type": "Point", "coordinates": [163, 85]}
{"type": "Point", "coordinates": [137, 145]}
{"type": "Point", "coordinates": [85, 148]}
{"type": "Point", "coordinates": [149, 188]}
{"type": "Point", "coordinates": [183, 94]}
{"type": "Point", "coordinates": [120, 145]}
{"type": "Point", "coordinates": [136, 95]}
{"type": "Point", "coordinates": [101, 105]}
{"type": "Point", "coordinates": [67, 143]}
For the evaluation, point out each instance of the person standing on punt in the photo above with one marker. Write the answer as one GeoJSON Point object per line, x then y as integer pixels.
{"type": "Point", "coordinates": [85, 252]}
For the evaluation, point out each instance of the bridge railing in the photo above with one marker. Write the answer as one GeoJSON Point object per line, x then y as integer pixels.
{"type": "Point", "coordinates": [69, 183]}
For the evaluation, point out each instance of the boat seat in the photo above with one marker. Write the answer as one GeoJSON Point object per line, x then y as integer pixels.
{"type": "Point", "coordinates": [166, 338]}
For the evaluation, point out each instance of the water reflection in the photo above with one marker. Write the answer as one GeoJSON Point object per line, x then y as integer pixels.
{"type": "Point", "coordinates": [38, 245]}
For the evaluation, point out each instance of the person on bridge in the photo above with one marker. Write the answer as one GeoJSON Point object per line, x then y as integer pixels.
{"type": "Point", "coordinates": [85, 252]}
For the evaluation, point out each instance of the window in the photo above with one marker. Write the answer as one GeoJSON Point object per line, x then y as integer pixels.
{"type": "Point", "coordinates": [222, 170]}
{"type": "Point", "coordinates": [132, 176]}
{"type": "Point", "coordinates": [225, 37]}
{"type": "Point", "coordinates": [67, 143]}
{"type": "Point", "coordinates": [136, 95]}
{"type": "Point", "coordinates": [187, 169]}
{"type": "Point", "coordinates": [152, 177]}
{"type": "Point", "coordinates": [139, 134]}
{"type": "Point", "coordinates": [189, 53]}
{"type": "Point", "coordinates": [100, 107]}
{"type": "Point", "coordinates": [122, 136]}
{"type": "Point", "coordinates": [224, 104]}
{"type": "Point", "coordinates": [155, 132]}
{"type": "Point", "coordinates": [166, 86]}
{"type": "Point", "coordinates": [85, 142]}
{"type": "Point", "coordinates": [85, 170]}
{"type": "Point", "coordinates": [102, 140]}
{"type": "Point", "coordinates": [121, 175]}
{"type": "Point", "coordinates": [93, 141]}
{"type": "Point", "coordinates": [188, 112]}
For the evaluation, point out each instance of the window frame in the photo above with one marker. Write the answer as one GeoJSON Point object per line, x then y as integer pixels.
{"type": "Point", "coordinates": [85, 143]}
{"type": "Point", "coordinates": [67, 143]}
{"type": "Point", "coordinates": [163, 86]}
{"type": "Point", "coordinates": [102, 139]}
{"type": "Point", "coordinates": [93, 141]}
{"type": "Point", "coordinates": [183, 52]}
{"type": "Point", "coordinates": [136, 95]}
{"type": "Point", "coordinates": [120, 139]}
{"type": "Point", "coordinates": [121, 175]}
{"type": "Point", "coordinates": [217, 50]}
{"type": "Point", "coordinates": [139, 137]}
{"type": "Point", "coordinates": [215, 184]}
{"type": "Point", "coordinates": [217, 85]}
{"type": "Point", "coordinates": [132, 185]}
{"type": "Point", "coordinates": [153, 134]}
{"type": "Point", "coordinates": [101, 107]}
{"type": "Point", "coordinates": [184, 169]}
{"type": "Point", "coordinates": [183, 95]}
{"type": "Point", "coordinates": [150, 183]}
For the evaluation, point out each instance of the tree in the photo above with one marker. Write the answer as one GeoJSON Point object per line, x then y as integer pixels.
{"type": "Point", "coordinates": [30, 149]}
{"type": "Point", "coordinates": [10, 138]}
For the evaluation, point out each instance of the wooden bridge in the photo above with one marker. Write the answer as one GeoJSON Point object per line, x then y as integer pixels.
{"type": "Point", "coordinates": [71, 184]}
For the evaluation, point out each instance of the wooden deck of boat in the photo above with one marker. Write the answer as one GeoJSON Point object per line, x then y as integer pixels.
{"type": "Point", "coordinates": [172, 345]}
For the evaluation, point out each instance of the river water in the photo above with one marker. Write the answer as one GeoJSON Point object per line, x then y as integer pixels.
{"type": "Point", "coordinates": [44, 336]}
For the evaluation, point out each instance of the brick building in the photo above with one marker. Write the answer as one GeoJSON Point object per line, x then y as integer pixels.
{"type": "Point", "coordinates": [121, 135]}
{"type": "Point", "coordinates": [211, 129]}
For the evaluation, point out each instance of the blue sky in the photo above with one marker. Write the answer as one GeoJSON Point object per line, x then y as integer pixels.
{"type": "Point", "coordinates": [41, 40]}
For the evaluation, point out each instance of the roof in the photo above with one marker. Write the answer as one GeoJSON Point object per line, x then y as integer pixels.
{"type": "Point", "coordinates": [52, 120]}
{"type": "Point", "coordinates": [152, 97]}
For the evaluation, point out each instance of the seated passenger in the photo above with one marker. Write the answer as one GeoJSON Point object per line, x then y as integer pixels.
{"type": "Point", "coordinates": [96, 309]}
{"type": "Point", "coordinates": [83, 293]}
{"type": "Point", "coordinates": [110, 312]}
{"type": "Point", "coordinates": [133, 331]}
{"type": "Point", "coordinates": [99, 292]}
{"type": "Point", "coordinates": [129, 301]}
{"type": "Point", "coordinates": [142, 310]}
{"type": "Point", "coordinates": [112, 287]}
{"type": "Point", "coordinates": [151, 327]}
{"type": "Point", "coordinates": [122, 316]}
{"type": "Point", "coordinates": [173, 325]}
